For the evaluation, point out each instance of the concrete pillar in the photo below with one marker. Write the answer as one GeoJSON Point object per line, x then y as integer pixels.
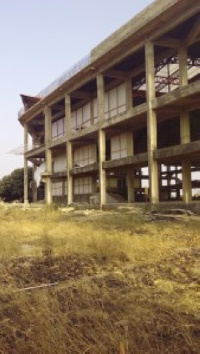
{"type": "Point", "coordinates": [101, 140]}
{"type": "Point", "coordinates": [48, 185]}
{"type": "Point", "coordinates": [187, 182]}
{"type": "Point", "coordinates": [129, 94]}
{"type": "Point", "coordinates": [186, 165]}
{"type": "Point", "coordinates": [25, 164]}
{"type": "Point", "coordinates": [102, 172]}
{"type": "Point", "coordinates": [68, 117]}
{"type": "Point", "coordinates": [130, 185]}
{"type": "Point", "coordinates": [69, 177]}
{"type": "Point", "coordinates": [183, 74]}
{"type": "Point", "coordinates": [69, 156]}
{"type": "Point", "coordinates": [185, 127]}
{"type": "Point", "coordinates": [151, 123]}
{"type": "Point", "coordinates": [34, 185]}
{"type": "Point", "coordinates": [48, 156]}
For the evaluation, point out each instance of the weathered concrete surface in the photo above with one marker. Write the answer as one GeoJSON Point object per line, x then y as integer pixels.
{"type": "Point", "coordinates": [85, 169]}
{"type": "Point", "coordinates": [138, 159]}
{"type": "Point", "coordinates": [177, 150]}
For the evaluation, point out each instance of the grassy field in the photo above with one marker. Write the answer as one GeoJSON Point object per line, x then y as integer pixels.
{"type": "Point", "coordinates": [120, 284]}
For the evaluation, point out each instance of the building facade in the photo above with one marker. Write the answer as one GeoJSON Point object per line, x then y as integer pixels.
{"type": "Point", "coordinates": [123, 125]}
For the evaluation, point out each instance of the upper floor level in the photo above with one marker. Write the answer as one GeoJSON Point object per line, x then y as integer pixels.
{"type": "Point", "coordinates": [111, 84]}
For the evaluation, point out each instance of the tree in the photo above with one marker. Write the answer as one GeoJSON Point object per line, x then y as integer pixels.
{"type": "Point", "coordinates": [12, 186]}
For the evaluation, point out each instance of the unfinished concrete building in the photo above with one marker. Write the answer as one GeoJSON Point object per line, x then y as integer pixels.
{"type": "Point", "coordinates": [123, 125]}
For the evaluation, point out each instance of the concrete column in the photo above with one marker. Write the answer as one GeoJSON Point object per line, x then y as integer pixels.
{"type": "Point", "coordinates": [186, 165]}
{"type": "Point", "coordinates": [151, 123]}
{"type": "Point", "coordinates": [185, 127]}
{"type": "Point", "coordinates": [48, 185]}
{"type": "Point", "coordinates": [102, 172]}
{"type": "Point", "coordinates": [187, 182]}
{"type": "Point", "coordinates": [25, 164]}
{"type": "Point", "coordinates": [69, 155]}
{"type": "Point", "coordinates": [34, 185]}
{"type": "Point", "coordinates": [68, 117]}
{"type": "Point", "coordinates": [183, 74]}
{"type": "Point", "coordinates": [101, 140]}
{"type": "Point", "coordinates": [100, 98]}
{"type": "Point", "coordinates": [47, 113]}
{"type": "Point", "coordinates": [48, 156]}
{"type": "Point", "coordinates": [129, 94]}
{"type": "Point", "coordinates": [130, 185]}
{"type": "Point", "coordinates": [69, 177]}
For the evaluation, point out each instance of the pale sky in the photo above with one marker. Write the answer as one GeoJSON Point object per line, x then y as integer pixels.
{"type": "Point", "coordinates": [41, 39]}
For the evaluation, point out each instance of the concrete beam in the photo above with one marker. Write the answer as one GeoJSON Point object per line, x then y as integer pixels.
{"type": "Point", "coordinates": [81, 94]}
{"type": "Point", "coordinates": [137, 160]}
{"type": "Point", "coordinates": [86, 169]}
{"type": "Point", "coordinates": [35, 152]}
{"type": "Point", "coordinates": [116, 74]}
{"type": "Point", "coordinates": [177, 151]}
{"type": "Point", "coordinates": [168, 42]}
{"type": "Point", "coordinates": [194, 32]}
{"type": "Point", "coordinates": [177, 96]}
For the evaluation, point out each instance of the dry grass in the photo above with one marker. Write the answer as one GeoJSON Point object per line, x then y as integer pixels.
{"type": "Point", "coordinates": [121, 282]}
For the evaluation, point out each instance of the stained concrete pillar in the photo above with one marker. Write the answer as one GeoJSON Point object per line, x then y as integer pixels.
{"type": "Point", "coordinates": [183, 73]}
{"type": "Point", "coordinates": [186, 164]}
{"type": "Point", "coordinates": [48, 156]}
{"type": "Point", "coordinates": [185, 126]}
{"type": "Point", "coordinates": [187, 181]}
{"type": "Point", "coordinates": [69, 153]}
{"type": "Point", "coordinates": [130, 185]}
{"type": "Point", "coordinates": [25, 164]}
{"type": "Point", "coordinates": [151, 123]}
{"type": "Point", "coordinates": [69, 176]}
{"type": "Point", "coordinates": [102, 172]}
{"type": "Point", "coordinates": [101, 140]}
{"type": "Point", "coordinates": [34, 185]}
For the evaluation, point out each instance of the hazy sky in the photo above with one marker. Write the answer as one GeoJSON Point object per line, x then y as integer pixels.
{"type": "Point", "coordinates": [39, 40]}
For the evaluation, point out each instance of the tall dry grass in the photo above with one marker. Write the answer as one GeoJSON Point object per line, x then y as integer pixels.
{"type": "Point", "coordinates": [121, 281]}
